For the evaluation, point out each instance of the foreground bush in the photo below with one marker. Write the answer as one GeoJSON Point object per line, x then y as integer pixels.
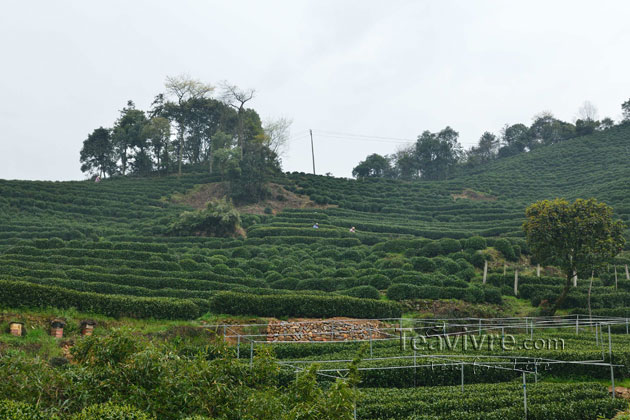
{"type": "Point", "coordinates": [125, 377]}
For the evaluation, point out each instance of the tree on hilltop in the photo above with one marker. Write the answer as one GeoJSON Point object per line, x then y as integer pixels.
{"type": "Point", "coordinates": [183, 88]}
{"type": "Point", "coordinates": [374, 166]}
{"type": "Point", "coordinates": [96, 153]}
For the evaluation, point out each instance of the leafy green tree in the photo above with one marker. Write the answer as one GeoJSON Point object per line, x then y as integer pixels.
{"type": "Point", "coordinates": [437, 153]}
{"type": "Point", "coordinates": [257, 167]}
{"type": "Point", "coordinates": [576, 237]}
{"type": "Point", "coordinates": [606, 123]}
{"type": "Point", "coordinates": [585, 127]}
{"type": "Point", "coordinates": [405, 164]}
{"type": "Point", "coordinates": [547, 130]}
{"type": "Point", "coordinates": [374, 166]}
{"type": "Point", "coordinates": [625, 110]}
{"type": "Point", "coordinates": [485, 151]}
{"type": "Point", "coordinates": [227, 162]}
{"type": "Point", "coordinates": [157, 131]}
{"type": "Point", "coordinates": [219, 218]}
{"type": "Point", "coordinates": [514, 139]}
{"type": "Point", "coordinates": [97, 153]}
{"type": "Point", "coordinates": [127, 135]}
{"type": "Point", "coordinates": [204, 117]}
{"type": "Point", "coordinates": [183, 88]}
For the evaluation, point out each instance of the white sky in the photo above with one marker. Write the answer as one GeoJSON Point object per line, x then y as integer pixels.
{"type": "Point", "coordinates": [391, 69]}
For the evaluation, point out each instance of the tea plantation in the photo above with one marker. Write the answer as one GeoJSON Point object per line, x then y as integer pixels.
{"type": "Point", "coordinates": [105, 249]}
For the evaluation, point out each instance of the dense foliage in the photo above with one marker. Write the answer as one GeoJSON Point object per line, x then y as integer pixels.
{"type": "Point", "coordinates": [219, 218]}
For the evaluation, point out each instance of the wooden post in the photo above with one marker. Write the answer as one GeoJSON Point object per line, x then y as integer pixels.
{"type": "Point", "coordinates": [504, 269]}
{"type": "Point", "coordinates": [615, 277]}
{"type": "Point", "coordinates": [612, 369]}
{"type": "Point", "coordinates": [516, 282]}
{"type": "Point", "coordinates": [538, 270]}
{"type": "Point", "coordinates": [590, 286]}
{"type": "Point", "coordinates": [575, 278]}
{"type": "Point", "coordinates": [485, 271]}
{"type": "Point", "coordinates": [627, 273]}
{"type": "Point", "coordinates": [525, 395]}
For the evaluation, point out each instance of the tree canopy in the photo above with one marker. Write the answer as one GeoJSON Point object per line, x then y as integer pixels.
{"type": "Point", "coordinates": [578, 237]}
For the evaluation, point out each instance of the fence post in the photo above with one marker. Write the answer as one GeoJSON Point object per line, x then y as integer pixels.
{"type": "Point", "coordinates": [238, 346]}
{"type": "Point", "coordinates": [596, 336]}
{"type": "Point", "coordinates": [516, 282]}
{"type": "Point", "coordinates": [525, 395]}
{"type": "Point", "coordinates": [577, 323]}
{"type": "Point", "coordinates": [462, 377]}
{"type": "Point", "coordinates": [626, 325]}
{"type": "Point", "coordinates": [526, 325]}
{"type": "Point", "coordinates": [479, 326]}
{"type": "Point", "coordinates": [612, 368]}
{"type": "Point", "coordinates": [415, 369]}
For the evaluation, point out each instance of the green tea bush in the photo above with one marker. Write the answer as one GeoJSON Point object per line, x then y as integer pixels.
{"type": "Point", "coordinates": [302, 305]}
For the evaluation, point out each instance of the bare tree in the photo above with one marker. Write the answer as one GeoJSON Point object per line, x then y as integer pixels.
{"type": "Point", "coordinates": [184, 88]}
{"type": "Point", "coordinates": [236, 97]}
{"type": "Point", "coordinates": [277, 132]}
{"type": "Point", "coordinates": [587, 112]}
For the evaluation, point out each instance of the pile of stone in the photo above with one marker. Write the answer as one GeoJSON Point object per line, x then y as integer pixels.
{"type": "Point", "coordinates": [328, 330]}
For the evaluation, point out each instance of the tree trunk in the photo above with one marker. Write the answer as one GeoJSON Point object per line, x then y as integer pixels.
{"type": "Point", "coordinates": [210, 159]}
{"type": "Point", "coordinates": [485, 271]}
{"type": "Point", "coordinates": [181, 151]}
{"type": "Point", "coordinates": [562, 296]}
{"type": "Point", "coordinates": [590, 286]}
{"type": "Point", "coordinates": [240, 130]}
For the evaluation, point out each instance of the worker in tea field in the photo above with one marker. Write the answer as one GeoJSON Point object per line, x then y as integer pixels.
{"type": "Point", "coordinates": [352, 229]}
{"type": "Point", "coordinates": [316, 226]}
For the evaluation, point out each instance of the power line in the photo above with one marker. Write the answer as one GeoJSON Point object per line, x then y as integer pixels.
{"type": "Point", "coordinates": [340, 134]}
{"type": "Point", "coordinates": [362, 139]}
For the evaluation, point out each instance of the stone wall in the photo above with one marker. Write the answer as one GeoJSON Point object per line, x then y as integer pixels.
{"type": "Point", "coordinates": [328, 330]}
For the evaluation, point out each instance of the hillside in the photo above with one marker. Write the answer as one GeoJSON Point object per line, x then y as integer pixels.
{"type": "Point", "coordinates": [102, 252]}
{"type": "Point", "coordinates": [103, 246]}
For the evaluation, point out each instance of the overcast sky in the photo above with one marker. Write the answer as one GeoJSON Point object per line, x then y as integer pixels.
{"type": "Point", "coordinates": [389, 69]}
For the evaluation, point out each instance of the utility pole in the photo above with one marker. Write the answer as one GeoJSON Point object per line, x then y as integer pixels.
{"type": "Point", "coordinates": [312, 150]}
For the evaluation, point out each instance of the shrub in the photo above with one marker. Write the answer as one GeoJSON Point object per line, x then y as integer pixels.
{"type": "Point", "coordinates": [15, 410]}
{"type": "Point", "coordinates": [505, 247]}
{"type": "Point", "coordinates": [448, 245]}
{"type": "Point", "coordinates": [364, 292]}
{"type": "Point", "coordinates": [311, 306]}
{"type": "Point", "coordinates": [110, 411]}
{"type": "Point", "coordinates": [219, 218]}
{"type": "Point", "coordinates": [474, 243]}
{"type": "Point", "coordinates": [21, 294]}
{"type": "Point", "coordinates": [423, 264]}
